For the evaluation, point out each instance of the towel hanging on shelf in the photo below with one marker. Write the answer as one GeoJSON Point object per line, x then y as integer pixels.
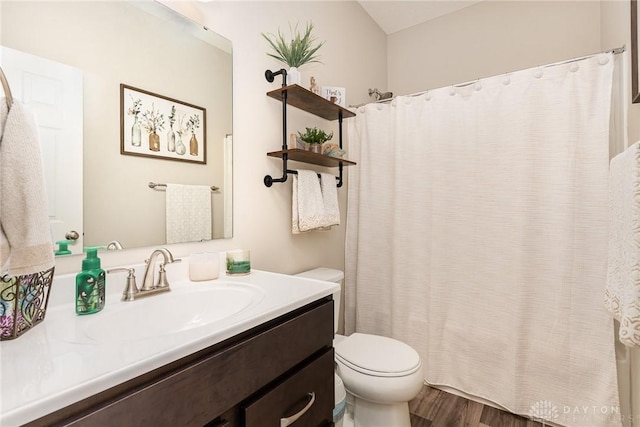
{"type": "Point", "coordinates": [314, 202]}
{"type": "Point", "coordinates": [330, 199]}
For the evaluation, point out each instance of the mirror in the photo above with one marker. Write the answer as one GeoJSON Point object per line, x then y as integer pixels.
{"type": "Point", "coordinates": [101, 46]}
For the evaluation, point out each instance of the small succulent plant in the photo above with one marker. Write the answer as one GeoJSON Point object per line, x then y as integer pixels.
{"type": "Point", "coordinates": [315, 136]}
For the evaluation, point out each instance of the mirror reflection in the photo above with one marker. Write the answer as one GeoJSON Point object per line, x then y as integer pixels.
{"type": "Point", "coordinates": [67, 61]}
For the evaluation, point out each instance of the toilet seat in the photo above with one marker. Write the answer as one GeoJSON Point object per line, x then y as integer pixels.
{"type": "Point", "coordinates": [377, 356]}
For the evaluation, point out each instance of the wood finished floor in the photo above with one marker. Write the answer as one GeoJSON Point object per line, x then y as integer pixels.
{"type": "Point", "coordinates": [436, 408]}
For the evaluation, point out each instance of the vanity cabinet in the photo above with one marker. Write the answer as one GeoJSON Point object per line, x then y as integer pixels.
{"type": "Point", "coordinates": [253, 379]}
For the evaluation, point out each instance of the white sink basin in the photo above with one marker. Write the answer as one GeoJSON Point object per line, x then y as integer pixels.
{"type": "Point", "coordinates": [184, 308]}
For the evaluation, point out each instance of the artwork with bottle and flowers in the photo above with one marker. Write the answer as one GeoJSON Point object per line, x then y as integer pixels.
{"type": "Point", "coordinates": [153, 125]}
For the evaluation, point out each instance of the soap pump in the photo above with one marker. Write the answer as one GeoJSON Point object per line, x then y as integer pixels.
{"type": "Point", "coordinates": [90, 283]}
{"type": "Point", "coordinates": [63, 247]}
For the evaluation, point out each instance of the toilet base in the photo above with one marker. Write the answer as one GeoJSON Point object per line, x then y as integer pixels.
{"type": "Point", "coordinates": [369, 414]}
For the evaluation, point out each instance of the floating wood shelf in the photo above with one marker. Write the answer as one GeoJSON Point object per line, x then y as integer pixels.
{"type": "Point", "coordinates": [308, 101]}
{"type": "Point", "coordinates": [310, 157]}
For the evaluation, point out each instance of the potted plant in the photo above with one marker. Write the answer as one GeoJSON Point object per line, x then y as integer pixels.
{"type": "Point", "coordinates": [296, 51]}
{"type": "Point", "coordinates": [315, 138]}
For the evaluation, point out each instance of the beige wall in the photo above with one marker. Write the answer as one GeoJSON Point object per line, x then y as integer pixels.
{"type": "Point", "coordinates": [490, 38]}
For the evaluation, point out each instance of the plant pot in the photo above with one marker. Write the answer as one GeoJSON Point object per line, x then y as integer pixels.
{"type": "Point", "coordinates": [180, 147]}
{"type": "Point", "coordinates": [154, 141]}
{"type": "Point", "coordinates": [136, 133]}
{"type": "Point", "coordinates": [171, 141]}
{"type": "Point", "coordinates": [315, 148]}
{"type": "Point", "coordinates": [193, 145]}
{"type": "Point", "coordinates": [293, 76]}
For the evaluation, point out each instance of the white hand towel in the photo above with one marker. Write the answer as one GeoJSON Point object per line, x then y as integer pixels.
{"type": "Point", "coordinates": [307, 206]}
{"type": "Point", "coordinates": [622, 294]}
{"type": "Point", "coordinates": [330, 200]}
{"type": "Point", "coordinates": [188, 210]}
{"type": "Point", "coordinates": [26, 246]}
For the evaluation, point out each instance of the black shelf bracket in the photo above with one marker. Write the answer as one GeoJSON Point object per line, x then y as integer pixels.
{"type": "Point", "coordinates": [270, 76]}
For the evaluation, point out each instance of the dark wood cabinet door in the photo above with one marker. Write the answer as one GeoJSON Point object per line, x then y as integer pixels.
{"type": "Point", "coordinates": [304, 399]}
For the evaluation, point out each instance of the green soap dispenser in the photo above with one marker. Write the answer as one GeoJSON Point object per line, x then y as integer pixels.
{"type": "Point", "coordinates": [63, 247]}
{"type": "Point", "coordinates": [90, 283]}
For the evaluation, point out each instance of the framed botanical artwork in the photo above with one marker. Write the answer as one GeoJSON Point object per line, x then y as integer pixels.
{"type": "Point", "coordinates": [153, 125]}
{"type": "Point", "coordinates": [635, 59]}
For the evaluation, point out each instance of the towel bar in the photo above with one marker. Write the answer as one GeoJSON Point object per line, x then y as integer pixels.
{"type": "Point", "coordinates": [158, 187]}
{"type": "Point", "coordinates": [269, 180]}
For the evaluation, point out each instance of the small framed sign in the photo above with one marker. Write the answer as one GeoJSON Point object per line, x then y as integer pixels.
{"type": "Point", "coordinates": [335, 94]}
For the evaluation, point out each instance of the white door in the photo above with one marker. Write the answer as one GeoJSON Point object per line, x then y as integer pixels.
{"type": "Point", "coordinates": [53, 91]}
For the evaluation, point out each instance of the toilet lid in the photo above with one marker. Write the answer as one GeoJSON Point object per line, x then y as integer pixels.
{"type": "Point", "coordinates": [376, 355]}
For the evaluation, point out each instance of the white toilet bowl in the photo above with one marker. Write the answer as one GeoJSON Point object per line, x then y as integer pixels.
{"type": "Point", "coordinates": [380, 374]}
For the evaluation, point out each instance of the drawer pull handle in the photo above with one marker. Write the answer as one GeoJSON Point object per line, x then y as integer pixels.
{"type": "Point", "coordinates": [284, 422]}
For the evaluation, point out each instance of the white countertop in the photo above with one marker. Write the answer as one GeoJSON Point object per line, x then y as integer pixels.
{"type": "Point", "coordinates": [57, 364]}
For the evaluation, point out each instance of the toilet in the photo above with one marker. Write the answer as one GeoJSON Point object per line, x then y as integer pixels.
{"type": "Point", "coordinates": [380, 374]}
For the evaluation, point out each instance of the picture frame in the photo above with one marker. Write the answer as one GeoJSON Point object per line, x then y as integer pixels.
{"type": "Point", "coordinates": [153, 125]}
{"type": "Point", "coordinates": [635, 59]}
{"type": "Point", "coordinates": [339, 93]}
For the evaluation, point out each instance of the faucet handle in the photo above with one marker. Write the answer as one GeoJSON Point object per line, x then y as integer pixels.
{"type": "Point", "coordinates": [162, 277]}
{"type": "Point", "coordinates": [162, 273]}
{"type": "Point", "coordinates": [131, 289]}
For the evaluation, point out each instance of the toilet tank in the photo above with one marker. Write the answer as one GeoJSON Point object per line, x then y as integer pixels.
{"type": "Point", "coordinates": [328, 275]}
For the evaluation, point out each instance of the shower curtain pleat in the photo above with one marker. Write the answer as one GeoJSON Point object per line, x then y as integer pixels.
{"type": "Point", "coordinates": [477, 233]}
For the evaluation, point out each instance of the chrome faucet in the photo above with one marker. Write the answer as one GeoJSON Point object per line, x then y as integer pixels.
{"type": "Point", "coordinates": [132, 292]}
{"type": "Point", "coordinates": [161, 284]}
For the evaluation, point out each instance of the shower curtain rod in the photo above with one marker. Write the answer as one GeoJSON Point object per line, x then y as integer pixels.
{"type": "Point", "coordinates": [615, 51]}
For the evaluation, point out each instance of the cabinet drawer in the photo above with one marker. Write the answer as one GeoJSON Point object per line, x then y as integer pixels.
{"type": "Point", "coordinates": [304, 398]}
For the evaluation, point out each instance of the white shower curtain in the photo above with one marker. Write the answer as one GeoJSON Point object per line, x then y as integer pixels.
{"type": "Point", "coordinates": [477, 233]}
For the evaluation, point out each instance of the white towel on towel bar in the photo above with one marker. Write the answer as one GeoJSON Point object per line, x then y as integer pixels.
{"type": "Point", "coordinates": [307, 207]}
{"type": "Point", "coordinates": [622, 295]}
{"type": "Point", "coordinates": [330, 199]}
{"type": "Point", "coordinates": [188, 210]}
{"type": "Point", "coordinates": [314, 203]}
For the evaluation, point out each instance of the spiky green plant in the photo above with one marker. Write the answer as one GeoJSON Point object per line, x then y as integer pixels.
{"type": "Point", "coordinates": [298, 51]}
